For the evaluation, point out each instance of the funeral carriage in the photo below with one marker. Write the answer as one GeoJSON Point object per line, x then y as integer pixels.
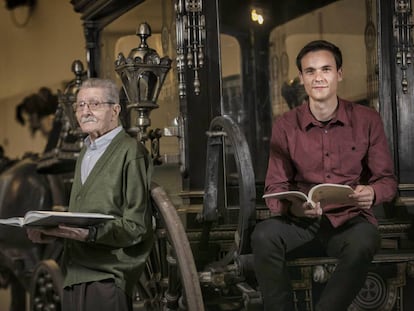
{"type": "Point", "coordinates": [226, 75]}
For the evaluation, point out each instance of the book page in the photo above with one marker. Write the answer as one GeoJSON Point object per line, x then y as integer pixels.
{"type": "Point", "coordinates": [14, 221]}
{"type": "Point", "coordinates": [287, 195]}
{"type": "Point", "coordinates": [331, 194]}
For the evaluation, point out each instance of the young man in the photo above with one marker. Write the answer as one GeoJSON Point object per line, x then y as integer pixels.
{"type": "Point", "coordinates": [325, 140]}
{"type": "Point", "coordinates": [103, 263]}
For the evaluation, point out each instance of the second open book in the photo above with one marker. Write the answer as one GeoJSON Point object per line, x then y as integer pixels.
{"type": "Point", "coordinates": [52, 219]}
{"type": "Point", "coordinates": [323, 193]}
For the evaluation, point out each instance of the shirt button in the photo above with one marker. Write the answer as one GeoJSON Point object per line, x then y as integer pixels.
{"type": "Point", "coordinates": [325, 131]}
{"type": "Point", "coordinates": [328, 176]}
{"type": "Point", "coordinates": [327, 154]}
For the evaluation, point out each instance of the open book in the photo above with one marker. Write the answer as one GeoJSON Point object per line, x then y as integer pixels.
{"type": "Point", "coordinates": [323, 193]}
{"type": "Point", "coordinates": [53, 219]}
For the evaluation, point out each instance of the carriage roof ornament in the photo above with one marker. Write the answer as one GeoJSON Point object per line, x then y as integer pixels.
{"type": "Point", "coordinates": [190, 37]}
{"type": "Point", "coordinates": [68, 96]}
{"type": "Point", "coordinates": [66, 138]}
{"type": "Point", "coordinates": [142, 74]}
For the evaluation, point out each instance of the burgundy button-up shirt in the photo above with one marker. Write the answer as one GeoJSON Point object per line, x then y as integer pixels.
{"type": "Point", "coordinates": [351, 149]}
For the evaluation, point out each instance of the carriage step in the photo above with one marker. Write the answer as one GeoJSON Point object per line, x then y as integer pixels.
{"type": "Point", "coordinates": [385, 257]}
{"type": "Point", "coordinates": [245, 262]}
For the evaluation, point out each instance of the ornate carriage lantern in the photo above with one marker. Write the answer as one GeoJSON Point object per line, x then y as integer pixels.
{"type": "Point", "coordinates": [142, 73]}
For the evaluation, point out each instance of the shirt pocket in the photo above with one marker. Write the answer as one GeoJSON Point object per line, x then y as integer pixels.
{"type": "Point", "coordinates": [351, 156]}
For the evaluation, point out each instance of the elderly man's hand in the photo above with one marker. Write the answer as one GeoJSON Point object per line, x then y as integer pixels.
{"type": "Point", "coordinates": [49, 235]}
{"type": "Point", "coordinates": [37, 236]}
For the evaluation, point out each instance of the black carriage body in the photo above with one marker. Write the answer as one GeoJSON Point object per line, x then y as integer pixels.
{"type": "Point", "coordinates": [225, 136]}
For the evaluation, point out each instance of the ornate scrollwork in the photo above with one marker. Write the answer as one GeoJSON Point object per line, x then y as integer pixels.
{"type": "Point", "coordinates": [403, 37]}
{"type": "Point", "coordinates": [190, 35]}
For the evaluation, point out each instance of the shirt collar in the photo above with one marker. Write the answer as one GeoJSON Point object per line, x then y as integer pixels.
{"type": "Point", "coordinates": [307, 120]}
{"type": "Point", "coordinates": [103, 140]}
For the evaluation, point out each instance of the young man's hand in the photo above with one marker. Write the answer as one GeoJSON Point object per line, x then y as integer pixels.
{"type": "Point", "coordinates": [305, 209]}
{"type": "Point", "coordinates": [364, 196]}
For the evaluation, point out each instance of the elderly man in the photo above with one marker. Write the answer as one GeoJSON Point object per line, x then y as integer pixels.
{"type": "Point", "coordinates": [102, 263]}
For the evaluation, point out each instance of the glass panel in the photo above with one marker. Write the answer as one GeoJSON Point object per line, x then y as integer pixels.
{"type": "Point", "coordinates": [232, 106]}
{"type": "Point", "coordinates": [357, 41]}
{"type": "Point", "coordinates": [231, 70]}
{"type": "Point", "coordinates": [119, 37]}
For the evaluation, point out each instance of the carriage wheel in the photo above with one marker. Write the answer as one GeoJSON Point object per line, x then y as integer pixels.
{"type": "Point", "coordinates": [46, 286]}
{"type": "Point", "coordinates": [225, 135]}
{"type": "Point", "coordinates": [170, 280]}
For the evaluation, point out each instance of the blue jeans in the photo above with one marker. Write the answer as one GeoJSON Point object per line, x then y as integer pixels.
{"type": "Point", "coordinates": [354, 244]}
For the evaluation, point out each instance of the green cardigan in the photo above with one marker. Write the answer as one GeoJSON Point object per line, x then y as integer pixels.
{"type": "Point", "coordinates": [119, 185]}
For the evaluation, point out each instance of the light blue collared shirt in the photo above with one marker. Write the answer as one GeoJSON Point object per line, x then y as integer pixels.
{"type": "Point", "coordinates": [94, 150]}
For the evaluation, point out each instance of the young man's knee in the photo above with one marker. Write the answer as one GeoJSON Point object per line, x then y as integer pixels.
{"type": "Point", "coordinates": [264, 240]}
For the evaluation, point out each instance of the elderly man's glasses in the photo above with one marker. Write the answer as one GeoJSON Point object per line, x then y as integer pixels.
{"type": "Point", "coordinates": [92, 105]}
